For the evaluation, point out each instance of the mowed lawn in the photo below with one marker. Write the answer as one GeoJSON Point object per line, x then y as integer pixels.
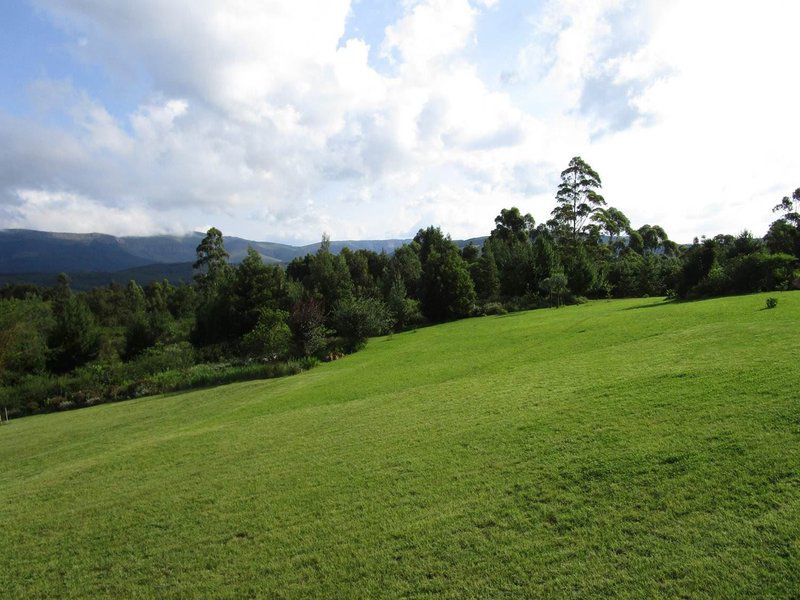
{"type": "Point", "coordinates": [621, 448]}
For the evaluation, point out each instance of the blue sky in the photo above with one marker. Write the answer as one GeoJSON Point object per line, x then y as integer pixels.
{"type": "Point", "coordinates": [372, 118]}
{"type": "Point", "coordinates": [33, 47]}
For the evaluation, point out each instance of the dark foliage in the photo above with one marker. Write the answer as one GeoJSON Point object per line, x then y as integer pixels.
{"type": "Point", "coordinates": [255, 319]}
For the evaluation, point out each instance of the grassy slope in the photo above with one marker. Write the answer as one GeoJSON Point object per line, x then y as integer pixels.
{"type": "Point", "coordinates": [624, 447]}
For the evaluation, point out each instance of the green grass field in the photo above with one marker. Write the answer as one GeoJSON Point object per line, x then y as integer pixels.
{"type": "Point", "coordinates": [634, 448]}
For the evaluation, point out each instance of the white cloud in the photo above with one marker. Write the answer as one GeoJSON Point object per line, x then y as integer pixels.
{"type": "Point", "coordinates": [259, 117]}
{"type": "Point", "coordinates": [722, 149]}
{"type": "Point", "coordinates": [60, 211]}
{"type": "Point", "coordinates": [430, 31]}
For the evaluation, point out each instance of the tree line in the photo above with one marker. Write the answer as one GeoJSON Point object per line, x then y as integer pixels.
{"type": "Point", "coordinates": [60, 349]}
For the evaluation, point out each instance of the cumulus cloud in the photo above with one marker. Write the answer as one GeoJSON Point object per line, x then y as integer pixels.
{"type": "Point", "coordinates": [60, 211]}
{"type": "Point", "coordinates": [263, 119]}
{"type": "Point", "coordinates": [720, 149]}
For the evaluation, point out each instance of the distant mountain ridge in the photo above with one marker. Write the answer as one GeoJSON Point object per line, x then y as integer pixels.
{"type": "Point", "coordinates": [95, 259]}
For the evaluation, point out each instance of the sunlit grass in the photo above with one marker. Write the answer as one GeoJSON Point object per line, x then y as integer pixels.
{"type": "Point", "coordinates": [633, 448]}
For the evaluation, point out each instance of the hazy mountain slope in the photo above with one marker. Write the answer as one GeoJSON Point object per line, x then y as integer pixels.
{"type": "Point", "coordinates": [175, 249]}
{"type": "Point", "coordinates": [23, 251]}
{"type": "Point", "coordinates": [30, 255]}
{"type": "Point", "coordinates": [85, 280]}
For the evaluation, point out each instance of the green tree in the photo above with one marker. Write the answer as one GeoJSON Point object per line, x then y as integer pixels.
{"type": "Point", "coordinates": [624, 276]}
{"type": "Point", "coordinates": [510, 245]}
{"type": "Point", "coordinates": [650, 276]}
{"type": "Point", "coordinates": [183, 301]}
{"type": "Point", "coordinates": [652, 239]}
{"type": "Point", "coordinates": [545, 257]}
{"type": "Point", "coordinates": [470, 253]}
{"type": "Point", "coordinates": [612, 222]}
{"type": "Point", "coordinates": [581, 270]}
{"type": "Point", "coordinates": [75, 338]}
{"type": "Point", "coordinates": [512, 225]}
{"type": "Point", "coordinates": [357, 319]}
{"type": "Point", "coordinates": [158, 294]}
{"type": "Point", "coordinates": [255, 287]}
{"type": "Point", "coordinates": [215, 319]}
{"type": "Point", "coordinates": [635, 242]}
{"type": "Point", "coordinates": [405, 263]}
{"type": "Point", "coordinates": [308, 326]}
{"type": "Point", "coordinates": [697, 265]}
{"type": "Point", "coordinates": [134, 298]}
{"type": "Point", "coordinates": [145, 329]}
{"type": "Point", "coordinates": [271, 337]}
{"type": "Point", "coordinates": [299, 268]}
{"type": "Point", "coordinates": [329, 276]}
{"type": "Point", "coordinates": [745, 244]}
{"type": "Point", "coordinates": [783, 237]}
{"type": "Point", "coordinates": [212, 261]}
{"type": "Point", "coordinates": [790, 207]}
{"type": "Point", "coordinates": [556, 288]}
{"type": "Point", "coordinates": [485, 275]}
{"type": "Point", "coordinates": [362, 265]}
{"type": "Point", "coordinates": [446, 290]}
{"type": "Point", "coordinates": [24, 327]}
{"type": "Point", "coordinates": [577, 199]}
{"type": "Point", "coordinates": [405, 310]}
{"type": "Point", "coordinates": [61, 292]}
{"type": "Point", "coordinates": [784, 234]}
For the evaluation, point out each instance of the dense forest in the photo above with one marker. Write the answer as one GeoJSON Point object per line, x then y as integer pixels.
{"type": "Point", "coordinates": [60, 349]}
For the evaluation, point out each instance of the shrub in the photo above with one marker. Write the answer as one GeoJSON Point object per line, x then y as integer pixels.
{"type": "Point", "coordinates": [308, 324]}
{"type": "Point", "coordinates": [527, 301]}
{"type": "Point", "coordinates": [23, 338]}
{"type": "Point", "coordinates": [271, 338]}
{"type": "Point", "coordinates": [602, 288]}
{"type": "Point", "coordinates": [356, 319]}
{"type": "Point", "coordinates": [556, 288]}
{"type": "Point", "coordinates": [515, 304]}
{"type": "Point", "coordinates": [772, 302]}
{"type": "Point", "coordinates": [494, 308]}
{"type": "Point", "coordinates": [159, 359]}
{"type": "Point", "coordinates": [45, 393]}
{"type": "Point", "coordinates": [761, 272]}
{"type": "Point", "coordinates": [406, 313]}
{"type": "Point", "coordinates": [146, 329]}
{"type": "Point", "coordinates": [75, 339]}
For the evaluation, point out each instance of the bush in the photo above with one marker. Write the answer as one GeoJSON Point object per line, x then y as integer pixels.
{"type": "Point", "coordinates": [308, 325]}
{"type": "Point", "coordinates": [494, 308]}
{"type": "Point", "coordinates": [772, 303]}
{"type": "Point", "coordinates": [271, 338]}
{"type": "Point", "coordinates": [158, 359]}
{"type": "Point", "coordinates": [75, 339]}
{"type": "Point", "coordinates": [556, 288]}
{"type": "Point", "coordinates": [146, 329]}
{"type": "Point", "coordinates": [406, 313]}
{"type": "Point", "coordinates": [528, 301]}
{"type": "Point", "coordinates": [761, 272]}
{"type": "Point", "coordinates": [357, 319]}
{"type": "Point", "coordinates": [92, 384]}
{"type": "Point", "coordinates": [23, 338]}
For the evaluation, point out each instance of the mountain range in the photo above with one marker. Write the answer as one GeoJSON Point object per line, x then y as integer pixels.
{"type": "Point", "coordinates": [92, 259]}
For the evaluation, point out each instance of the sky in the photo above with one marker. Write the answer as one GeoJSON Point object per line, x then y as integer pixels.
{"type": "Point", "coordinates": [282, 120]}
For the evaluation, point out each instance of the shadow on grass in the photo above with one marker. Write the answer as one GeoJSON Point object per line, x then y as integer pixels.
{"type": "Point", "coordinates": [655, 304]}
{"type": "Point", "coordinates": [674, 301]}
{"type": "Point", "coordinates": [515, 313]}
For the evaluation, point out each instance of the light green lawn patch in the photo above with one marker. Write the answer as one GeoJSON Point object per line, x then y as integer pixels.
{"type": "Point", "coordinates": [621, 448]}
